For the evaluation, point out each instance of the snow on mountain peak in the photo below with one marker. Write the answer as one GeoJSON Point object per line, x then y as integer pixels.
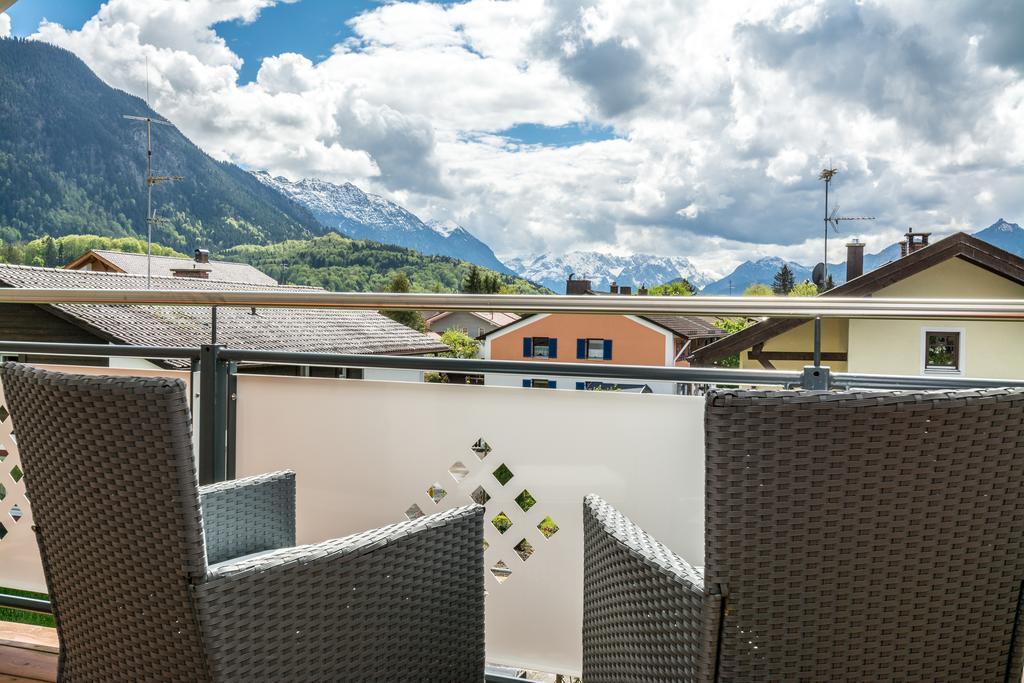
{"type": "Point", "coordinates": [602, 269]}
{"type": "Point", "coordinates": [445, 227]}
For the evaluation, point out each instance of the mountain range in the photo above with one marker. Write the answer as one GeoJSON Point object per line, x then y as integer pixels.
{"type": "Point", "coordinates": [553, 270]}
{"type": "Point", "coordinates": [1003, 234]}
{"type": "Point", "coordinates": [365, 216]}
{"type": "Point", "coordinates": [71, 163]}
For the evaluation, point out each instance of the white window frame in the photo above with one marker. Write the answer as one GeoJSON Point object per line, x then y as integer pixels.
{"type": "Point", "coordinates": [961, 354]}
{"type": "Point", "coordinates": [600, 350]}
{"type": "Point", "coordinates": [534, 346]}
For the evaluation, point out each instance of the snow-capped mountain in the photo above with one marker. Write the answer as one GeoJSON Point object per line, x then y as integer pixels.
{"type": "Point", "coordinates": [1008, 236]}
{"type": "Point", "coordinates": [602, 269]}
{"type": "Point", "coordinates": [365, 216]}
{"type": "Point", "coordinates": [762, 271]}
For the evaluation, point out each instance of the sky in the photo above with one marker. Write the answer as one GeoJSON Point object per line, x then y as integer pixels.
{"type": "Point", "coordinates": [691, 128]}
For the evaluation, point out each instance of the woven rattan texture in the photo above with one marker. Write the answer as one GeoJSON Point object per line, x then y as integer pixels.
{"type": "Point", "coordinates": [109, 470]}
{"type": "Point", "coordinates": [248, 515]}
{"type": "Point", "coordinates": [401, 603]}
{"type": "Point", "coordinates": [642, 604]}
{"type": "Point", "coordinates": [866, 536]}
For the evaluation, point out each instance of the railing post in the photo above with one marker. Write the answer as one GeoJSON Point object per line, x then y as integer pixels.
{"type": "Point", "coordinates": [817, 342]}
{"type": "Point", "coordinates": [232, 415]}
{"type": "Point", "coordinates": [816, 378]}
{"type": "Point", "coordinates": [213, 392]}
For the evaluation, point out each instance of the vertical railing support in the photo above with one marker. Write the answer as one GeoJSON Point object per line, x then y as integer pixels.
{"type": "Point", "coordinates": [816, 378]}
{"type": "Point", "coordinates": [213, 393]}
{"type": "Point", "coordinates": [817, 342]}
{"type": "Point", "coordinates": [232, 415]}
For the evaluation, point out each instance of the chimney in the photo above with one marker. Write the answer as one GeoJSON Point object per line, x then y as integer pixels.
{"type": "Point", "coordinates": [198, 273]}
{"type": "Point", "coordinates": [854, 259]}
{"type": "Point", "coordinates": [626, 291]}
{"type": "Point", "coordinates": [903, 248]}
{"type": "Point", "coordinates": [202, 256]}
{"type": "Point", "coordinates": [614, 287]}
{"type": "Point", "coordinates": [574, 286]}
{"type": "Point", "coordinates": [916, 240]}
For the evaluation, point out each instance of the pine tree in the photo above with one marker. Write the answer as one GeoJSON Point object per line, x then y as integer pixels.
{"type": "Point", "coordinates": [400, 285]}
{"type": "Point", "coordinates": [474, 282]}
{"type": "Point", "coordinates": [784, 281]}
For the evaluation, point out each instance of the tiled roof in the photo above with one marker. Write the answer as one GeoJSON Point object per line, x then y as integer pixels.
{"type": "Point", "coordinates": [496, 318]}
{"type": "Point", "coordinates": [692, 327]}
{"type": "Point", "coordinates": [227, 271]}
{"type": "Point", "coordinates": [283, 329]}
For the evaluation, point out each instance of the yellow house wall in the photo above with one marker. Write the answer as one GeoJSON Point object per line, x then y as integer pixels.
{"type": "Point", "coordinates": [990, 349]}
{"type": "Point", "coordinates": [834, 334]}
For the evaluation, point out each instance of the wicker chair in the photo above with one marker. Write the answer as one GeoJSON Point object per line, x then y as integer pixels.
{"type": "Point", "coordinates": [155, 578]}
{"type": "Point", "coordinates": [849, 536]}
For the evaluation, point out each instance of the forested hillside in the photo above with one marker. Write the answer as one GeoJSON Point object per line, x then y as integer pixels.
{"type": "Point", "coordinates": [70, 163]}
{"type": "Point", "coordinates": [55, 252]}
{"type": "Point", "coordinates": [341, 264]}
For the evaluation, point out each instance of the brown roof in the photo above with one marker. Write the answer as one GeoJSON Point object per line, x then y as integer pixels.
{"type": "Point", "coordinates": [959, 245]}
{"type": "Point", "coordinates": [164, 266]}
{"type": "Point", "coordinates": [282, 329]}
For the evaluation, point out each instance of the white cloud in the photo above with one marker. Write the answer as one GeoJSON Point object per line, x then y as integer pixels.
{"type": "Point", "coordinates": [723, 113]}
{"type": "Point", "coordinates": [5, 25]}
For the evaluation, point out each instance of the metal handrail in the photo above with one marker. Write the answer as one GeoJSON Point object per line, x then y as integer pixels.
{"type": "Point", "coordinates": [777, 307]}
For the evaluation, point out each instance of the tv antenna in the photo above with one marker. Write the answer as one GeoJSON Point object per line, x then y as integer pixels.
{"type": "Point", "coordinates": [832, 219]}
{"type": "Point", "coordinates": [151, 179]}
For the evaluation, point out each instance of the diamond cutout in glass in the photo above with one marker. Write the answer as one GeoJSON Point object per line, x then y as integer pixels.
{"type": "Point", "coordinates": [525, 501]}
{"type": "Point", "coordinates": [3, 453]}
{"type": "Point", "coordinates": [480, 496]}
{"type": "Point", "coordinates": [481, 448]}
{"type": "Point", "coordinates": [436, 493]}
{"type": "Point", "coordinates": [459, 471]}
{"type": "Point", "coordinates": [3, 492]}
{"type": "Point", "coordinates": [501, 571]}
{"type": "Point", "coordinates": [501, 522]}
{"type": "Point", "coordinates": [548, 527]}
{"type": "Point", "coordinates": [16, 474]}
{"type": "Point", "coordinates": [3, 414]}
{"type": "Point", "coordinates": [16, 513]}
{"type": "Point", "coordinates": [486, 544]}
{"type": "Point", "coordinates": [503, 474]}
{"type": "Point", "coordinates": [414, 512]}
{"type": "Point", "coordinates": [523, 550]}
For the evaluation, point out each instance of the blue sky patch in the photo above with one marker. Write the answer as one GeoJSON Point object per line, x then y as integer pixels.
{"type": "Point", "coordinates": [558, 136]}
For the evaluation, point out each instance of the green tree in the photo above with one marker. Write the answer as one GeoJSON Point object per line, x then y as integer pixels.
{"type": "Point", "coordinates": [474, 282]}
{"type": "Point", "coordinates": [51, 256]}
{"type": "Point", "coordinates": [758, 289]}
{"type": "Point", "coordinates": [400, 285]}
{"type": "Point", "coordinates": [804, 289]}
{"type": "Point", "coordinates": [678, 288]}
{"type": "Point", "coordinates": [829, 284]}
{"type": "Point", "coordinates": [460, 344]}
{"type": "Point", "coordinates": [732, 325]}
{"type": "Point", "coordinates": [783, 283]}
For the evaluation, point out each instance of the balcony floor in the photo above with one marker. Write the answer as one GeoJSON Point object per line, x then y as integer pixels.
{"type": "Point", "coordinates": [27, 653]}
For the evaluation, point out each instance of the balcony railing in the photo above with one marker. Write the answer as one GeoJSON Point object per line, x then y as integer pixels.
{"type": "Point", "coordinates": [369, 453]}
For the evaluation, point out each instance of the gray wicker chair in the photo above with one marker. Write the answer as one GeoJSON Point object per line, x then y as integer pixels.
{"type": "Point", "coordinates": [849, 536]}
{"type": "Point", "coordinates": [155, 578]}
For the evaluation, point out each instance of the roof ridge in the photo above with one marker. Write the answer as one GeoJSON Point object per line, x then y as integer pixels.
{"type": "Point", "coordinates": [167, 256]}
{"type": "Point", "coordinates": [161, 278]}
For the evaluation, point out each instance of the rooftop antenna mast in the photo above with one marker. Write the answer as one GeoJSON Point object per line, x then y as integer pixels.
{"type": "Point", "coordinates": [151, 179]}
{"type": "Point", "coordinates": [832, 219]}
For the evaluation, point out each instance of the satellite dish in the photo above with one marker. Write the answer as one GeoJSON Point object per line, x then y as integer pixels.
{"type": "Point", "coordinates": [818, 275]}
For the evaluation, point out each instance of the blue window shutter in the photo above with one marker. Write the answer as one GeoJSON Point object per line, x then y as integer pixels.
{"type": "Point", "coordinates": [552, 384]}
{"type": "Point", "coordinates": [527, 383]}
{"type": "Point", "coordinates": [607, 349]}
{"type": "Point", "coordinates": [552, 348]}
{"type": "Point", "coordinates": [581, 386]}
{"type": "Point", "coordinates": [581, 349]}
{"type": "Point", "coordinates": [527, 347]}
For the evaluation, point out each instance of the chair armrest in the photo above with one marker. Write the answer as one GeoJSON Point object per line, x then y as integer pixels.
{"type": "Point", "coordinates": [403, 602]}
{"type": "Point", "coordinates": [248, 515]}
{"type": "Point", "coordinates": [643, 605]}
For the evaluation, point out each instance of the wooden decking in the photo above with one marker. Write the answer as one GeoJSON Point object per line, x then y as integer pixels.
{"type": "Point", "coordinates": [27, 653]}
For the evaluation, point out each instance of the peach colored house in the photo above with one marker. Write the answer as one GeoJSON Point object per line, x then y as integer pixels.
{"type": "Point", "coordinates": [598, 340]}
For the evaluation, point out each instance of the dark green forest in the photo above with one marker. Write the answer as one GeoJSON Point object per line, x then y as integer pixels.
{"type": "Point", "coordinates": [70, 163]}
{"type": "Point", "coordinates": [340, 264]}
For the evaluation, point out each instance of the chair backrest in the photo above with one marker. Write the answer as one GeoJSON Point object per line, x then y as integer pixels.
{"type": "Point", "coordinates": [866, 536]}
{"type": "Point", "coordinates": [110, 476]}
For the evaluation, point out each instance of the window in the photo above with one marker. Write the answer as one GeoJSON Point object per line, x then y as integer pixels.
{"type": "Point", "coordinates": [942, 351]}
{"type": "Point", "coordinates": [540, 383]}
{"type": "Point", "coordinates": [540, 347]}
{"type": "Point", "coordinates": [594, 349]}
